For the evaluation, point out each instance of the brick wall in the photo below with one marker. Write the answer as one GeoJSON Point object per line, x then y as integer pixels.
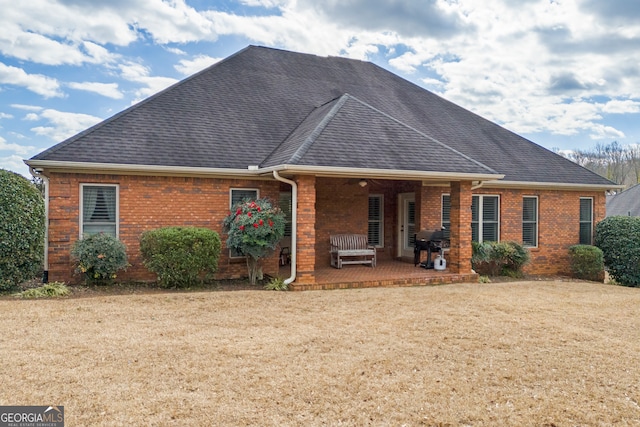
{"type": "Point", "coordinates": [146, 203]}
{"type": "Point", "coordinates": [306, 232]}
{"type": "Point", "coordinates": [558, 221]}
{"type": "Point", "coordinates": [325, 206]}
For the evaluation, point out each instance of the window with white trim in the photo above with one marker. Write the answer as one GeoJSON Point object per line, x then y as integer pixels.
{"type": "Point", "coordinates": [530, 221]}
{"type": "Point", "coordinates": [446, 215]}
{"type": "Point", "coordinates": [485, 218]}
{"type": "Point", "coordinates": [239, 195]}
{"type": "Point", "coordinates": [376, 220]}
{"type": "Point", "coordinates": [586, 220]}
{"type": "Point", "coordinates": [99, 209]}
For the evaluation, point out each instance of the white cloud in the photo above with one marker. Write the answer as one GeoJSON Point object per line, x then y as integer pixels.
{"type": "Point", "coordinates": [175, 51]}
{"type": "Point", "coordinates": [14, 163]}
{"type": "Point", "coordinates": [26, 107]}
{"type": "Point", "coordinates": [200, 62]}
{"type": "Point", "coordinates": [138, 73]}
{"type": "Point", "coordinates": [600, 132]}
{"type": "Point", "coordinates": [63, 125]}
{"type": "Point", "coordinates": [5, 116]}
{"type": "Point", "coordinates": [110, 90]}
{"type": "Point", "coordinates": [31, 117]}
{"type": "Point", "coordinates": [22, 150]}
{"type": "Point", "coordinates": [37, 83]}
{"type": "Point", "coordinates": [616, 106]}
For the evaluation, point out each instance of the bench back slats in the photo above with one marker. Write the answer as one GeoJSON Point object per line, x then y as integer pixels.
{"type": "Point", "coordinates": [349, 241]}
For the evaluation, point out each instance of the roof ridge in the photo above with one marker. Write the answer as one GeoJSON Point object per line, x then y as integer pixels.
{"type": "Point", "coordinates": [424, 135]}
{"type": "Point", "coordinates": [308, 142]}
{"type": "Point", "coordinates": [313, 135]}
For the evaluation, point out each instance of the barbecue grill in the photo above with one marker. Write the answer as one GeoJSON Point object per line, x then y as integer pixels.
{"type": "Point", "coordinates": [430, 241]}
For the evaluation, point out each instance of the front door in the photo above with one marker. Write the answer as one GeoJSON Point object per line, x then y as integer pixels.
{"type": "Point", "coordinates": [407, 224]}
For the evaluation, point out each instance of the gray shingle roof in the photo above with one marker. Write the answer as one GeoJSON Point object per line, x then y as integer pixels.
{"type": "Point", "coordinates": [260, 106]}
{"type": "Point", "coordinates": [625, 203]}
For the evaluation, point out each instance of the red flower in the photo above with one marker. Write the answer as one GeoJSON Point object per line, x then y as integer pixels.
{"type": "Point", "coordinates": [261, 222]}
{"type": "Point", "coordinates": [241, 228]}
{"type": "Point", "coordinates": [239, 211]}
{"type": "Point", "coordinates": [270, 223]}
{"type": "Point", "coordinates": [258, 208]}
{"type": "Point", "coordinates": [255, 225]}
{"type": "Point", "coordinates": [249, 214]}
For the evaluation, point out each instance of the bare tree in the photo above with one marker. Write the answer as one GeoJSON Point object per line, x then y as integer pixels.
{"type": "Point", "coordinates": [620, 164]}
{"type": "Point", "coordinates": [633, 151]}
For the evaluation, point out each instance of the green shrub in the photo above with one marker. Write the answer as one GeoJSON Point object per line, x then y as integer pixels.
{"type": "Point", "coordinates": [499, 258]}
{"type": "Point", "coordinates": [99, 257]}
{"type": "Point", "coordinates": [22, 227]}
{"type": "Point", "coordinates": [276, 284]}
{"type": "Point", "coordinates": [50, 290]}
{"type": "Point", "coordinates": [587, 262]}
{"type": "Point", "coordinates": [181, 256]}
{"type": "Point", "coordinates": [619, 239]}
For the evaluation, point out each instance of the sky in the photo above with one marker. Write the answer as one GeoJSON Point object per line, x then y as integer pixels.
{"type": "Point", "coordinates": [563, 73]}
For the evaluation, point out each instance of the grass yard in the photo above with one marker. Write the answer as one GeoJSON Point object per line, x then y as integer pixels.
{"type": "Point", "coordinates": [555, 353]}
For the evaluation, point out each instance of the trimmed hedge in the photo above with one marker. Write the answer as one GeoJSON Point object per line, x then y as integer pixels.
{"type": "Point", "coordinates": [99, 256]}
{"type": "Point", "coordinates": [21, 230]}
{"type": "Point", "coordinates": [619, 239]}
{"type": "Point", "coordinates": [181, 256]}
{"type": "Point", "coordinates": [499, 258]}
{"type": "Point", "coordinates": [587, 262]}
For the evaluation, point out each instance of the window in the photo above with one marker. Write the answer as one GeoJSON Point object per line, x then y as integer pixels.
{"type": "Point", "coordinates": [530, 221]}
{"type": "Point", "coordinates": [376, 220]}
{"type": "Point", "coordinates": [237, 195]}
{"type": "Point", "coordinates": [446, 215]}
{"type": "Point", "coordinates": [99, 209]}
{"type": "Point", "coordinates": [285, 206]}
{"type": "Point", "coordinates": [485, 218]}
{"type": "Point", "coordinates": [586, 221]}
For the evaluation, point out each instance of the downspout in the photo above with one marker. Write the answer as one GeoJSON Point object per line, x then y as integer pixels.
{"type": "Point", "coordinates": [294, 223]}
{"type": "Point", "coordinates": [38, 173]}
{"type": "Point", "coordinates": [478, 185]}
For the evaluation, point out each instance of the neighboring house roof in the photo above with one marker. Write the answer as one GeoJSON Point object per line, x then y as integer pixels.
{"type": "Point", "coordinates": [268, 107]}
{"type": "Point", "coordinates": [626, 203]}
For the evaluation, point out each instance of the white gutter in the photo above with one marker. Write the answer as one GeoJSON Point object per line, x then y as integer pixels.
{"type": "Point", "coordinates": [38, 173]}
{"type": "Point", "coordinates": [551, 185]}
{"type": "Point", "coordinates": [347, 172]}
{"type": "Point", "coordinates": [326, 171]}
{"type": "Point", "coordinates": [294, 223]}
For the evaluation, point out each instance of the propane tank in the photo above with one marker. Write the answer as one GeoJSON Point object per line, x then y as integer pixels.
{"type": "Point", "coordinates": [439, 263]}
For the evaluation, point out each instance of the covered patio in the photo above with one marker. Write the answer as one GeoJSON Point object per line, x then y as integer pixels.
{"type": "Point", "coordinates": [388, 273]}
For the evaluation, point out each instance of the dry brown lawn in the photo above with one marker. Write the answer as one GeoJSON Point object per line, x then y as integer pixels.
{"type": "Point", "coordinates": [556, 353]}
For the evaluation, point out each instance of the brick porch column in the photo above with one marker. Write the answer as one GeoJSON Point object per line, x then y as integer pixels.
{"type": "Point", "coordinates": [306, 234]}
{"type": "Point", "coordinates": [460, 252]}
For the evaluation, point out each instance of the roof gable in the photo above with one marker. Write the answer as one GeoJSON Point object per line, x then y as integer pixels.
{"type": "Point", "coordinates": [347, 132]}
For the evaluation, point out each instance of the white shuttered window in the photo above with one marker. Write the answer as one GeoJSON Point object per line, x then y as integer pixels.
{"type": "Point", "coordinates": [376, 220]}
{"type": "Point", "coordinates": [530, 221]}
{"type": "Point", "coordinates": [485, 218]}
{"type": "Point", "coordinates": [99, 209]}
{"type": "Point", "coordinates": [586, 221]}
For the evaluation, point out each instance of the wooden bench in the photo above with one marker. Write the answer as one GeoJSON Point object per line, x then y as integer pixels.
{"type": "Point", "coordinates": [354, 247]}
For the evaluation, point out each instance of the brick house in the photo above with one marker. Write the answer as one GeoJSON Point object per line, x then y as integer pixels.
{"type": "Point", "coordinates": [344, 145]}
